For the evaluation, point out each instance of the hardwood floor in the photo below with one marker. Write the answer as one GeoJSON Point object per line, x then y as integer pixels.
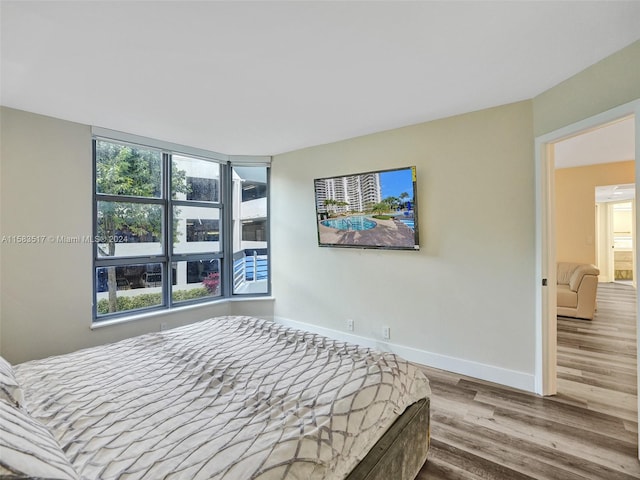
{"type": "Point", "coordinates": [597, 359]}
{"type": "Point", "coordinates": [480, 430]}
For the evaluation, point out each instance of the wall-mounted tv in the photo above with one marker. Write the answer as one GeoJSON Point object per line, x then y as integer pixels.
{"type": "Point", "coordinates": [368, 210]}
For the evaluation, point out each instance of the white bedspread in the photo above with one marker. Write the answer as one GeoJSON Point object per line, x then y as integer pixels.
{"type": "Point", "coordinates": [228, 398]}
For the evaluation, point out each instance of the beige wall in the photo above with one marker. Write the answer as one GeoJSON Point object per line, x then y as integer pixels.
{"type": "Point", "coordinates": [611, 82]}
{"type": "Point", "coordinates": [467, 295]}
{"type": "Point", "coordinates": [46, 290]}
{"type": "Point", "coordinates": [575, 207]}
{"type": "Point", "coordinates": [466, 301]}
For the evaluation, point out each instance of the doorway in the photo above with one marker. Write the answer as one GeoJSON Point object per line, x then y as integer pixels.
{"type": "Point", "coordinates": [546, 320]}
{"type": "Point", "coordinates": [615, 234]}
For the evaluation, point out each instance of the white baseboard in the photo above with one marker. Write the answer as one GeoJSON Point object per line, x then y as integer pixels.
{"type": "Point", "coordinates": [490, 373]}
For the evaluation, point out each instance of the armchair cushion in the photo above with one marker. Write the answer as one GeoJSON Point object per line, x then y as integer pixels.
{"type": "Point", "coordinates": [579, 273]}
{"type": "Point", "coordinates": [567, 297]}
{"type": "Point", "coordinates": [577, 284]}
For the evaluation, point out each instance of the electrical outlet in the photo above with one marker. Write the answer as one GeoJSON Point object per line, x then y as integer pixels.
{"type": "Point", "coordinates": [350, 324]}
{"type": "Point", "coordinates": [163, 326]}
{"type": "Point", "coordinates": [386, 333]}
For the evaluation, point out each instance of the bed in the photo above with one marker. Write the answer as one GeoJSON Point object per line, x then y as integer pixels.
{"type": "Point", "coordinates": [232, 398]}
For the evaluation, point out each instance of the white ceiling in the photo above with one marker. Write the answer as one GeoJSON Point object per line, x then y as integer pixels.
{"type": "Point", "coordinates": [615, 193]}
{"type": "Point", "coordinates": [614, 142]}
{"type": "Point", "coordinates": [268, 77]}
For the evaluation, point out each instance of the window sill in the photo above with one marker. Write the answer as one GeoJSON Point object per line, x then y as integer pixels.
{"type": "Point", "coordinates": [161, 313]}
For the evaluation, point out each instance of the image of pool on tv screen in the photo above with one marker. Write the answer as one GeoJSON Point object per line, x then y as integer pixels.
{"type": "Point", "coordinates": [368, 210]}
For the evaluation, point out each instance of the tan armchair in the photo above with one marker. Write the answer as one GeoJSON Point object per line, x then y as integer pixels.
{"type": "Point", "coordinates": [577, 288]}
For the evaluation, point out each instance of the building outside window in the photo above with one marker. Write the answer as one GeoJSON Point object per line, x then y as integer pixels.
{"type": "Point", "coordinates": [168, 235]}
{"type": "Point", "coordinates": [202, 189]}
{"type": "Point", "coordinates": [199, 230]}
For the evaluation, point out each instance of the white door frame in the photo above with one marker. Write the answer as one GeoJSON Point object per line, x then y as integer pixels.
{"type": "Point", "coordinates": [546, 326]}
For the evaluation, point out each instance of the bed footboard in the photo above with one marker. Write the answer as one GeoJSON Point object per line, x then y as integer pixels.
{"type": "Point", "coordinates": [402, 450]}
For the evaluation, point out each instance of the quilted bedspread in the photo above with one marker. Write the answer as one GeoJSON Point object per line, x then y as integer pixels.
{"type": "Point", "coordinates": [227, 398]}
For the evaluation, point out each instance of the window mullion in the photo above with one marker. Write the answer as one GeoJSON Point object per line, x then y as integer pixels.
{"type": "Point", "coordinates": [167, 195]}
{"type": "Point", "coordinates": [103, 197]}
{"type": "Point", "coordinates": [94, 231]}
{"type": "Point", "coordinates": [184, 257]}
{"type": "Point", "coordinates": [195, 203]}
{"type": "Point", "coordinates": [227, 232]}
{"type": "Point", "coordinates": [116, 261]}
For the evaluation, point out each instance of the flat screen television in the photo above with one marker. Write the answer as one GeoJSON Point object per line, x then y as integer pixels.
{"type": "Point", "coordinates": [375, 209]}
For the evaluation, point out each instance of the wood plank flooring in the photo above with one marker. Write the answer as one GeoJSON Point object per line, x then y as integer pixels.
{"type": "Point", "coordinates": [480, 430]}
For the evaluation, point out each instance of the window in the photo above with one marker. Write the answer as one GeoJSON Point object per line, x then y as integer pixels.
{"type": "Point", "coordinates": [160, 234]}
{"type": "Point", "coordinates": [250, 220]}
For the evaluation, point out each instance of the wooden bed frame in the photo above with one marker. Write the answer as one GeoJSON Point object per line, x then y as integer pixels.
{"type": "Point", "coordinates": [402, 450]}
